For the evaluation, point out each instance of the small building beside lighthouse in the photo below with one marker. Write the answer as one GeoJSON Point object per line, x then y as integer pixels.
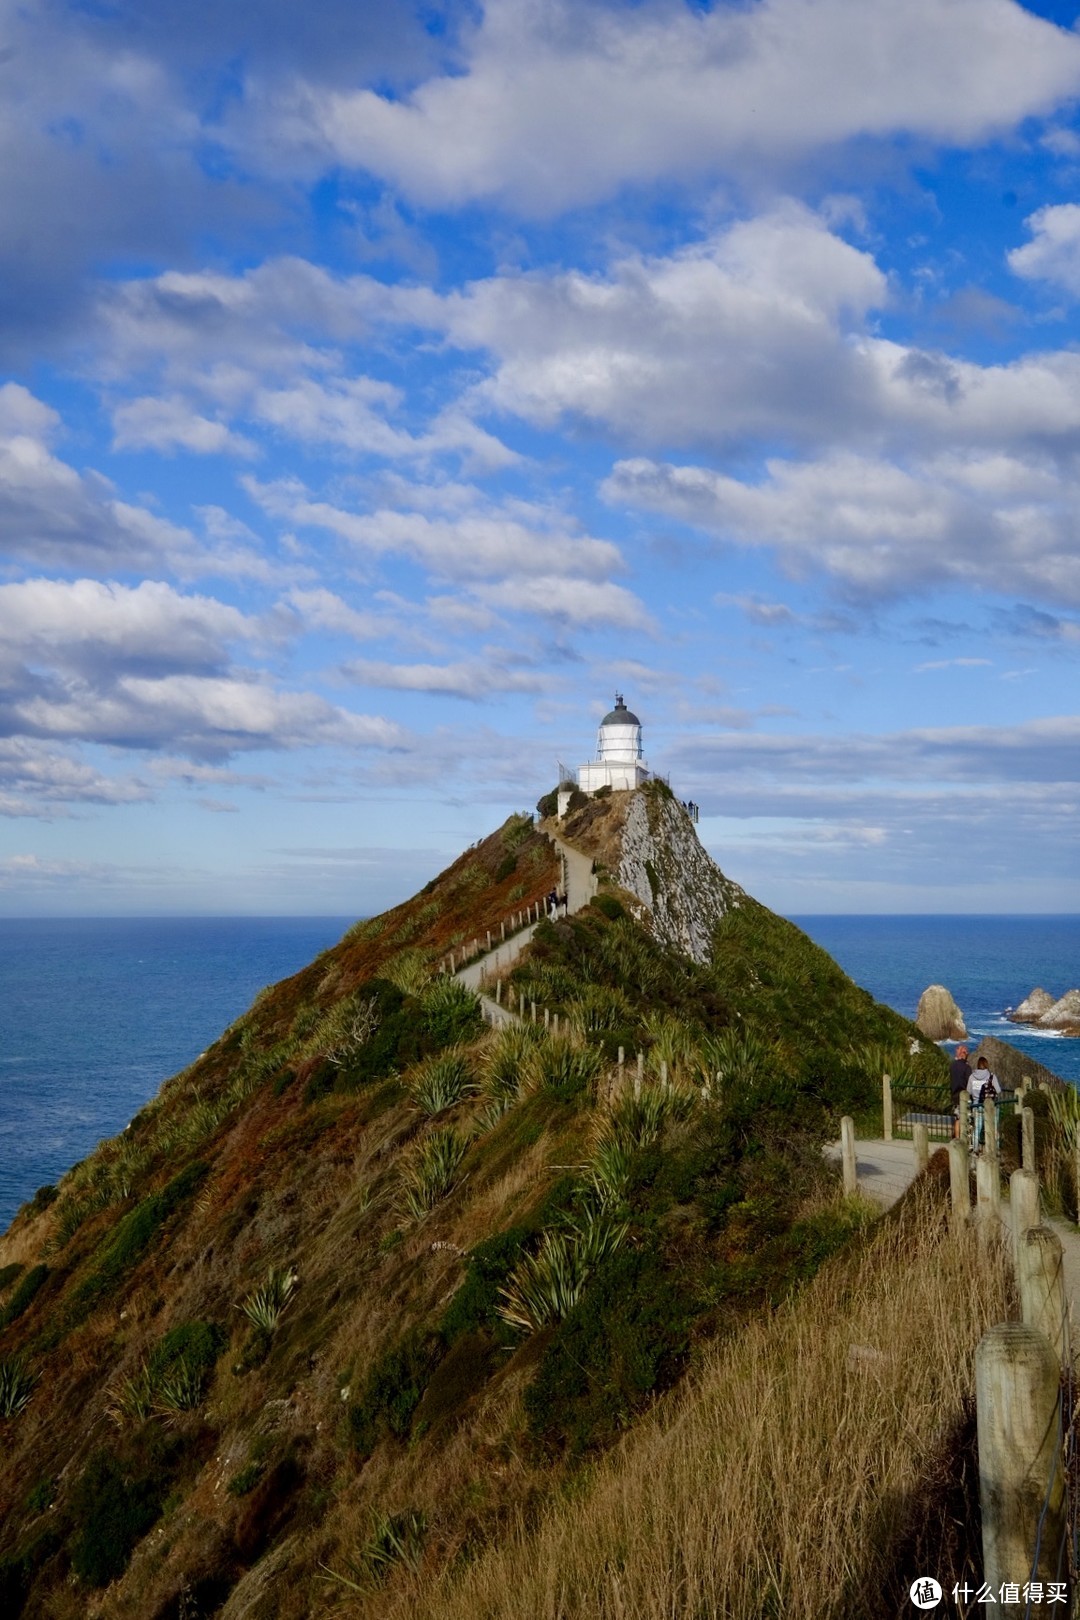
{"type": "Point", "coordinates": [620, 762]}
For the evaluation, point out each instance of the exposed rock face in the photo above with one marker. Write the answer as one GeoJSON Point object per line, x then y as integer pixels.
{"type": "Point", "coordinates": [1011, 1065]}
{"type": "Point", "coordinates": [645, 841]}
{"type": "Point", "coordinates": [1032, 1007]}
{"type": "Point", "coordinates": [664, 865]}
{"type": "Point", "coordinates": [939, 1018]}
{"type": "Point", "coordinates": [1064, 1014]}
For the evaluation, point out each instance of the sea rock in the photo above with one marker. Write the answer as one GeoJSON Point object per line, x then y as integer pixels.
{"type": "Point", "coordinates": [1064, 1014]}
{"type": "Point", "coordinates": [939, 1018]}
{"type": "Point", "coordinates": [1032, 1007]}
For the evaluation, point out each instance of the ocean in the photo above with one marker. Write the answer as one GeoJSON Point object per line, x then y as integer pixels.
{"type": "Point", "coordinates": [989, 963]}
{"type": "Point", "coordinates": [96, 1013]}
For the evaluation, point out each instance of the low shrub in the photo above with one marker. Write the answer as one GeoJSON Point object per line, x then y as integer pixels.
{"type": "Point", "coordinates": [544, 1287]}
{"type": "Point", "coordinates": [623, 1341]}
{"type": "Point", "coordinates": [392, 1392]}
{"type": "Point", "coordinates": [134, 1233]}
{"type": "Point", "coordinates": [112, 1510]}
{"type": "Point", "coordinates": [8, 1274]}
{"type": "Point", "coordinates": [449, 1012]}
{"type": "Point", "coordinates": [24, 1293]}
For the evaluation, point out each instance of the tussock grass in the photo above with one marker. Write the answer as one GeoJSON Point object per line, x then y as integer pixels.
{"type": "Point", "coordinates": [442, 1082]}
{"type": "Point", "coordinates": [782, 1481]}
{"type": "Point", "coordinates": [432, 1172]}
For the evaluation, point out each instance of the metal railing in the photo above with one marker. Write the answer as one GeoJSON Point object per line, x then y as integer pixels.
{"type": "Point", "coordinates": [930, 1103]}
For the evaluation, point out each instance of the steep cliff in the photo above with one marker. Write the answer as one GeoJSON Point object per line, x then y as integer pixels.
{"type": "Point", "coordinates": [644, 843]}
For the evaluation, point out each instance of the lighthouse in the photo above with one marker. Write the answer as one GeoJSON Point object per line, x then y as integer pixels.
{"type": "Point", "coordinates": [619, 762]}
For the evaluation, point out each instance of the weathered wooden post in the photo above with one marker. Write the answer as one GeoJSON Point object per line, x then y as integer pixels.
{"type": "Point", "coordinates": [1021, 1490]}
{"type": "Point", "coordinates": [1027, 1139]}
{"type": "Point", "coordinates": [555, 1023]}
{"type": "Point", "coordinates": [1024, 1208]}
{"type": "Point", "coordinates": [990, 1126]}
{"type": "Point", "coordinates": [489, 939]}
{"type": "Point", "coordinates": [547, 1018]}
{"type": "Point", "coordinates": [920, 1141]}
{"type": "Point", "coordinates": [533, 1005]}
{"type": "Point", "coordinates": [640, 1075]}
{"type": "Point", "coordinates": [959, 1184]}
{"type": "Point", "coordinates": [502, 929]}
{"type": "Point", "coordinates": [622, 1069]}
{"type": "Point", "coordinates": [1023, 1088]}
{"type": "Point", "coordinates": [987, 1196]}
{"type": "Point", "coordinates": [1076, 1169]}
{"type": "Point", "coordinates": [1041, 1279]}
{"type": "Point", "coordinates": [498, 992]}
{"type": "Point", "coordinates": [663, 1074]}
{"type": "Point", "coordinates": [886, 1107]}
{"type": "Point", "coordinates": [847, 1154]}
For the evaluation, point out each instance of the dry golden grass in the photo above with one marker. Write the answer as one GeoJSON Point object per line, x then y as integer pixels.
{"type": "Point", "coordinates": [779, 1483]}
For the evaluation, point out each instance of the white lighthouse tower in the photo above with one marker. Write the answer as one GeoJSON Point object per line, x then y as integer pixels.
{"type": "Point", "coordinates": [619, 762]}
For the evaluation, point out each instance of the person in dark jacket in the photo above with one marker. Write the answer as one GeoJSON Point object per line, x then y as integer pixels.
{"type": "Point", "coordinates": [959, 1075]}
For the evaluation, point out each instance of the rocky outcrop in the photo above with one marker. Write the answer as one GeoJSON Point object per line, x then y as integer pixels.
{"type": "Point", "coordinates": [663, 863]}
{"type": "Point", "coordinates": [1032, 1007]}
{"type": "Point", "coordinates": [1064, 1014]}
{"type": "Point", "coordinates": [939, 1018]}
{"type": "Point", "coordinates": [1011, 1065]}
{"type": "Point", "coordinates": [645, 843]}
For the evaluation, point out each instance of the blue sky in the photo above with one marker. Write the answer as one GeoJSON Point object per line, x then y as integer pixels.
{"type": "Point", "coordinates": [384, 385]}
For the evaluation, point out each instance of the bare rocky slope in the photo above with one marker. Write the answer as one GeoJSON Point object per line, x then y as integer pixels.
{"type": "Point", "coordinates": [370, 1280]}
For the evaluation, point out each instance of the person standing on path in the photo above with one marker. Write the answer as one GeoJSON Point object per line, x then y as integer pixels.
{"type": "Point", "coordinates": [959, 1075]}
{"type": "Point", "coordinates": [982, 1084]}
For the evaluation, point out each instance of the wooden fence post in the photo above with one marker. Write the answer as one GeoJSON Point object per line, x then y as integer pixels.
{"type": "Point", "coordinates": [1024, 1202]}
{"type": "Point", "coordinates": [1041, 1277]}
{"type": "Point", "coordinates": [988, 1196]}
{"type": "Point", "coordinates": [1076, 1169]}
{"type": "Point", "coordinates": [920, 1141]}
{"type": "Point", "coordinates": [959, 1184]}
{"type": "Point", "coordinates": [622, 1069]}
{"type": "Point", "coordinates": [640, 1075]}
{"type": "Point", "coordinates": [547, 1017]}
{"type": "Point", "coordinates": [990, 1126]}
{"type": "Point", "coordinates": [847, 1154]}
{"type": "Point", "coordinates": [886, 1107]}
{"type": "Point", "coordinates": [1027, 1139]}
{"type": "Point", "coordinates": [1021, 1490]}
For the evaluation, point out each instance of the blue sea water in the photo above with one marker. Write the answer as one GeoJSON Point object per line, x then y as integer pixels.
{"type": "Point", "coordinates": [989, 964]}
{"type": "Point", "coordinates": [95, 1013]}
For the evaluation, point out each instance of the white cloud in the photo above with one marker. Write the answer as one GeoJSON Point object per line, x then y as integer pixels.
{"type": "Point", "coordinates": [881, 528]}
{"type": "Point", "coordinates": [37, 779]}
{"type": "Point", "coordinates": [573, 602]}
{"type": "Point", "coordinates": [1053, 254]}
{"type": "Point", "coordinates": [736, 336]}
{"type": "Point", "coordinates": [475, 545]}
{"type": "Point", "coordinates": [471, 679]}
{"type": "Point", "coordinates": [561, 104]}
{"type": "Point", "coordinates": [88, 623]}
{"type": "Point", "coordinates": [171, 424]}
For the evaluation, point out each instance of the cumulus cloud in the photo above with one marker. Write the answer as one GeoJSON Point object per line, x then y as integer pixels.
{"type": "Point", "coordinates": [1053, 254]}
{"type": "Point", "coordinates": [558, 104]}
{"type": "Point", "coordinates": [881, 528]}
{"type": "Point", "coordinates": [148, 668]}
{"type": "Point", "coordinates": [171, 424]}
{"type": "Point", "coordinates": [573, 602]}
{"type": "Point", "coordinates": [473, 544]}
{"type": "Point", "coordinates": [91, 625]}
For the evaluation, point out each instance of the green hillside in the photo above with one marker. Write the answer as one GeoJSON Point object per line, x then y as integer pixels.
{"type": "Point", "coordinates": [371, 1280]}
